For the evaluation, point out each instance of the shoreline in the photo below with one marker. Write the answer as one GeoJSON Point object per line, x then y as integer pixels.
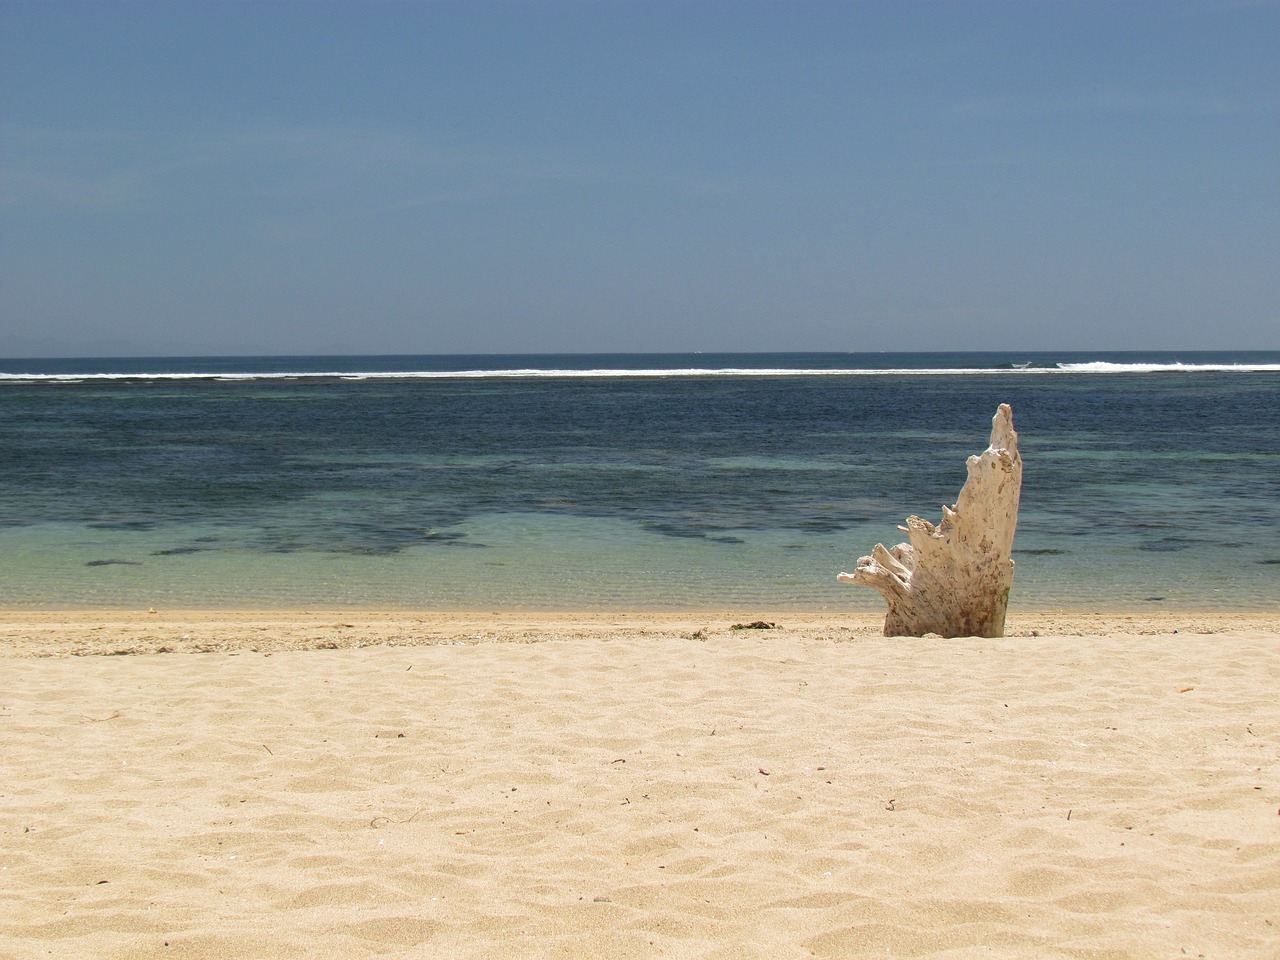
{"type": "Point", "coordinates": [88, 632]}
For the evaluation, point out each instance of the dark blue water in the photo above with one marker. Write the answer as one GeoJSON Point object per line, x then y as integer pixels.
{"type": "Point", "coordinates": [622, 363]}
{"type": "Point", "coordinates": [317, 481]}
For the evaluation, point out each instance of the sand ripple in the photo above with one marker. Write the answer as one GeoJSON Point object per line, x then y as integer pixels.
{"type": "Point", "coordinates": [788, 793]}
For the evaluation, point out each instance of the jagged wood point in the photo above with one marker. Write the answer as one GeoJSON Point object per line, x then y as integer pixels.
{"type": "Point", "coordinates": [953, 579]}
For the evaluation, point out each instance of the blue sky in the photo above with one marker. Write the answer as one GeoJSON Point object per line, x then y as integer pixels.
{"type": "Point", "coordinates": [395, 177]}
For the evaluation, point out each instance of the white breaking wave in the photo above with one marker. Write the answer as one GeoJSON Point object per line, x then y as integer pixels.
{"type": "Point", "coordinates": [1094, 367]}
{"type": "Point", "coordinates": [1105, 366]}
{"type": "Point", "coordinates": [525, 373]}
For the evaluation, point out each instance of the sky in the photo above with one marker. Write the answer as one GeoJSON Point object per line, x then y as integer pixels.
{"type": "Point", "coordinates": [228, 178]}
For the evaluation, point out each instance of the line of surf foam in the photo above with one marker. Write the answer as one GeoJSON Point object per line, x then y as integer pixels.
{"type": "Point", "coordinates": [1107, 366]}
{"type": "Point", "coordinates": [498, 374]}
{"type": "Point", "coordinates": [1091, 367]}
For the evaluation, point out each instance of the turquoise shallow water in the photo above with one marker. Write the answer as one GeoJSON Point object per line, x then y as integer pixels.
{"type": "Point", "coordinates": [675, 481]}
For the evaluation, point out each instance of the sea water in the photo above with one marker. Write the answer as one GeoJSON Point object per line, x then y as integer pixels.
{"type": "Point", "coordinates": [743, 481]}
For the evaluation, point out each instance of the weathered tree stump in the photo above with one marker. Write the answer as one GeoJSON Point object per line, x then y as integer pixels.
{"type": "Point", "coordinates": [954, 579]}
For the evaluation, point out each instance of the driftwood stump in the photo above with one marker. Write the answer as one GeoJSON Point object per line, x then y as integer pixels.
{"type": "Point", "coordinates": [954, 579]}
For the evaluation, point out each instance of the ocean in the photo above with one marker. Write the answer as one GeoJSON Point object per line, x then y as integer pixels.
{"type": "Point", "coordinates": [737, 481]}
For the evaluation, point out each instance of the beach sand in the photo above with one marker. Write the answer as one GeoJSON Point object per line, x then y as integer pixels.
{"type": "Point", "coordinates": [345, 784]}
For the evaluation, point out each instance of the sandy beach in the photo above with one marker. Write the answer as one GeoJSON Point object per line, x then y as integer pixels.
{"type": "Point", "coordinates": [241, 784]}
